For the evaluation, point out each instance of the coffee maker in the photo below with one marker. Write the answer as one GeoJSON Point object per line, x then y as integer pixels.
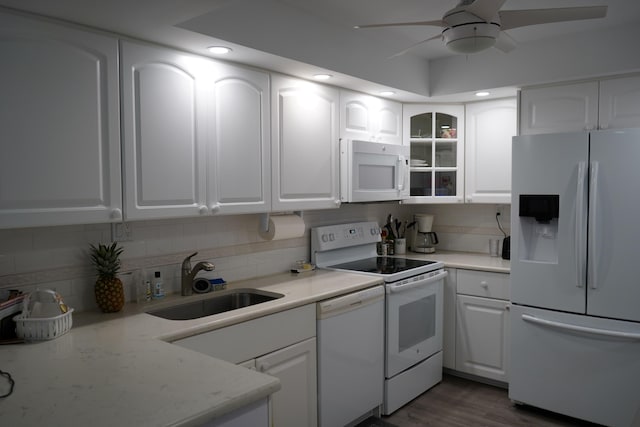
{"type": "Point", "coordinates": [424, 240]}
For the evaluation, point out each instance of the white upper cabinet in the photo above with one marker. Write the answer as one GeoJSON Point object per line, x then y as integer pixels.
{"type": "Point", "coordinates": [368, 118]}
{"type": "Point", "coordinates": [604, 104]}
{"type": "Point", "coordinates": [435, 134]}
{"type": "Point", "coordinates": [566, 108]}
{"type": "Point", "coordinates": [164, 111]}
{"type": "Point", "coordinates": [196, 135]}
{"type": "Point", "coordinates": [620, 103]}
{"type": "Point", "coordinates": [60, 144]}
{"type": "Point", "coordinates": [489, 127]}
{"type": "Point", "coordinates": [240, 179]}
{"type": "Point", "coordinates": [304, 145]}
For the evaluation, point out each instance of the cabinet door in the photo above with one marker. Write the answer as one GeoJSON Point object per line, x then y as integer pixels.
{"type": "Point", "coordinates": [163, 113]}
{"type": "Point", "coordinates": [60, 144]}
{"type": "Point", "coordinates": [240, 180]}
{"type": "Point", "coordinates": [304, 145]}
{"type": "Point", "coordinates": [387, 120]}
{"type": "Point", "coordinates": [620, 103]}
{"type": "Point", "coordinates": [355, 117]}
{"type": "Point", "coordinates": [436, 136]}
{"type": "Point", "coordinates": [489, 127]}
{"type": "Point", "coordinates": [295, 404]}
{"type": "Point", "coordinates": [482, 332]}
{"type": "Point", "coordinates": [552, 109]}
{"type": "Point", "coordinates": [369, 118]}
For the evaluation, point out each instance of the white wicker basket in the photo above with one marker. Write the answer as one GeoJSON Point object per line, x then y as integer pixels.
{"type": "Point", "coordinates": [43, 328]}
{"type": "Point", "coordinates": [44, 316]}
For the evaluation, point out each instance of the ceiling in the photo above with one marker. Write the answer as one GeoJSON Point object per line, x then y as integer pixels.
{"type": "Point", "coordinates": [303, 37]}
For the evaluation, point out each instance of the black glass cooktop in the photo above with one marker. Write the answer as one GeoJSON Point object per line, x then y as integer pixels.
{"type": "Point", "coordinates": [382, 265]}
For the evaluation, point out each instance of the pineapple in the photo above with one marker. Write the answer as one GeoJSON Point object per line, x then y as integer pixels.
{"type": "Point", "coordinates": [109, 290]}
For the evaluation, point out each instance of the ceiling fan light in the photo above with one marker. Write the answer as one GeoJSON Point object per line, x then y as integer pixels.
{"type": "Point", "coordinates": [471, 44]}
{"type": "Point", "coordinates": [471, 38]}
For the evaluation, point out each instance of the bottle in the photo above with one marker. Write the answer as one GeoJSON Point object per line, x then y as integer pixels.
{"type": "Point", "coordinates": [147, 289]}
{"type": "Point", "coordinates": [158, 288]}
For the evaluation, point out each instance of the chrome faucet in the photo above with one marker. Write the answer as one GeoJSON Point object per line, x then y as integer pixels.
{"type": "Point", "coordinates": [188, 274]}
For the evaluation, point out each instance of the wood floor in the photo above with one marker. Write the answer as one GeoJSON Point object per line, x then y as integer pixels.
{"type": "Point", "coordinates": [457, 402]}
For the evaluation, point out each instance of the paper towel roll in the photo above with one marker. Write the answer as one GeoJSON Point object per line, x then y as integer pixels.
{"type": "Point", "coordinates": [284, 227]}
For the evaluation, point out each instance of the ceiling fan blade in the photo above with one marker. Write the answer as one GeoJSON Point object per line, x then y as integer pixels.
{"type": "Point", "coordinates": [505, 43]}
{"type": "Point", "coordinates": [486, 10]}
{"type": "Point", "coordinates": [415, 45]}
{"type": "Point", "coordinates": [438, 23]}
{"type": "Point", "coordinates": [521, 18]}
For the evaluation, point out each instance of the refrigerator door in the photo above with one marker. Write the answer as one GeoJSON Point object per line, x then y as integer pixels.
{"type": "Point", "coordinates": [548, 260]}
{"type": "Point", "coordinates": [576, 365]}
{"type": "Point", "coordinates": [614, 225]}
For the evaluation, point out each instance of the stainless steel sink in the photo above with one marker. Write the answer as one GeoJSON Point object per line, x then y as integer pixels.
{"type": "Point", "coordinates": [219, 303]}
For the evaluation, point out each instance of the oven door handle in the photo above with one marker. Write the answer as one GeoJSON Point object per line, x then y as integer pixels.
{"type": "Point", "coordinates": [405, 286]}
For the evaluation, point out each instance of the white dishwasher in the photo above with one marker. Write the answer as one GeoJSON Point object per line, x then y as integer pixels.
{"type": "Point", "coordinates": [350, 341]}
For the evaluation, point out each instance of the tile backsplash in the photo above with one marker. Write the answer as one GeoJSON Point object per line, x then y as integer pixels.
{"type": "Point", "coordinates": [57, 257]}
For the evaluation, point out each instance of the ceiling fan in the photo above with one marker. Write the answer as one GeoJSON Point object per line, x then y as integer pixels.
{"type": "Point", "coordinates": [475, 25]}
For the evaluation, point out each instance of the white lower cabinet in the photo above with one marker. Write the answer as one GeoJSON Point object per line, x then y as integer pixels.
{"type": "Point", "coordinates": [295, 404]}
{"type": "Point", "coordinates": [282, 345]}
{"type": "Point", "coordinates": [254, 415]}
{"type": "Point", "coordinates": [482, 324]}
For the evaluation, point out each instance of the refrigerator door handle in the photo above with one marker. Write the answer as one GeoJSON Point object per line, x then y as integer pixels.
{"type": "Point", "coordinates": [593, 203]}
{"type": "Point", "coordinates": [583, 329]}
{"type": "Point", "coordinates": [578, 235]}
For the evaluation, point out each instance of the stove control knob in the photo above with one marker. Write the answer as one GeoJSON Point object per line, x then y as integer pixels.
{"type": "Point", "coordinates": [332, 237]}
{"type": "Point", "coordinates": [324, 238]}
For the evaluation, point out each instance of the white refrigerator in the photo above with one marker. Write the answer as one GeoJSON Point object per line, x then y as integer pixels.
{"type": "Point", "coordinates": [575, 275]}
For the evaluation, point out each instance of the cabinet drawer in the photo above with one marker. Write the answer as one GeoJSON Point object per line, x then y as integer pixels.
{"type": "Point", "coordinates": [483, 284]}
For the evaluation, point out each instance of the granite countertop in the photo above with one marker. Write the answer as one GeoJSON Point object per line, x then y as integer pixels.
{"type": "Point", "coordinates": [121, 369]}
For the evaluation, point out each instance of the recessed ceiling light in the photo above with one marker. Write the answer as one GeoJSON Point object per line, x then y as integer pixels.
{"type": "Point", "coordinates": [387, 93]}
{"type": "Point", "coordinates": [322, 76]}
{"type": "Point", "coordinates": [483, 93]}
{"type": "Point", "coordinates": [219, 50]}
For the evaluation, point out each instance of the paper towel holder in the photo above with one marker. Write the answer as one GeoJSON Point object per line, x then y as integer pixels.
{"type": "Point", "coordinates": [264, 220]}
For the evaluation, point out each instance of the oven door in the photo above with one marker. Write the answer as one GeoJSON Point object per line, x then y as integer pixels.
{"type": "Point", "coordinates": [413, 320]}
{"type": "Point", "coordinates": [373, 171]}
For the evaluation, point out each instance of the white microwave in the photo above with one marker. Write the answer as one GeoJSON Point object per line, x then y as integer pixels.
{"type": "Point", "coordinates": [373, 171]}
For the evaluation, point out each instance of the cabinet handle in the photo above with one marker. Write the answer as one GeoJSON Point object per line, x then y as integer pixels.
{"type": "Point", "coordinates": [116, 214]}
{"type": "Point", "coordinates": [604, 127]}
{"type": "Point", "coordinates": [337, 202]}
{"type": "Point", "coordinates": [263, 366]}
{"type": "Point", "coordinates": [469, 198]}
{"type": "Point", "coordinates": [507, 307]}
{"type": "Point", "coordinates": [203, 210]}
{"type": "Point", "coordinates": [484, 284]}
{"type": "Point", "coordinates": [215, 208]}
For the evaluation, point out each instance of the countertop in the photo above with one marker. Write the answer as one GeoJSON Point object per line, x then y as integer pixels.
{"type": "Point", "coordinates": [466, 260]}
{"type": "Point", "coordinates": [121, 368]}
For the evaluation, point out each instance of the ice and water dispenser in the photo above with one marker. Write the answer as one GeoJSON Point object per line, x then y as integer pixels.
{"type": "Point", "coordinates": [538, 215]}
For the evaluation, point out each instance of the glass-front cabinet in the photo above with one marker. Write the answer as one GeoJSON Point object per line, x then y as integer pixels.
{"type": "Point", "coordinates": [435, 134]}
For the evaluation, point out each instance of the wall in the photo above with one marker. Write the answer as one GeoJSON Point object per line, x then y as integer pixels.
{"type": "Point", "coordinates": [57, 257]}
